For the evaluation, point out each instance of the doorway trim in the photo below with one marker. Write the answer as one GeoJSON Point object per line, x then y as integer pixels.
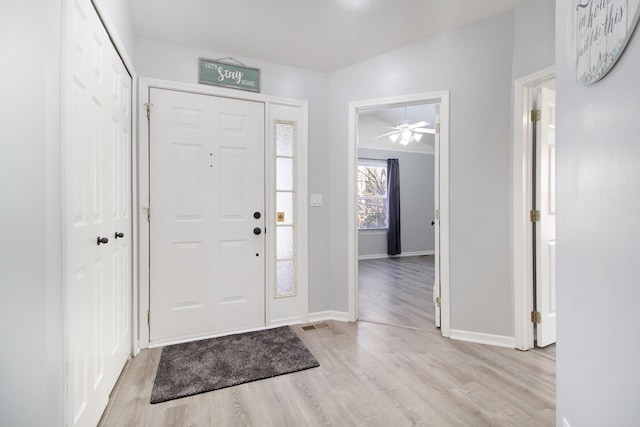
{"type": "Point", "coordinates": [442, 98]}
{"type": "Point", "coordinates": [276, 108]}
{"type": "Point", "coordinates": [522, 235]}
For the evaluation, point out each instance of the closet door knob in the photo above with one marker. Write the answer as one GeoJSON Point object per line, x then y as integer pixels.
{"type": "Point", "coordinates": [119, 235]}
{"type": "Point", "coordinates": [102, 240]}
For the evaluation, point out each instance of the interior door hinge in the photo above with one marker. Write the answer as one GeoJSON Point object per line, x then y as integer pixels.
{"type": "Point", "coordinates": [148, 105]}
{"type": "Point", "coordinates": [437, 127]}
{"type": "Point", "coordinates": [148, 214]}
{"type": "Point", "coordinates": [438, 302]}
{"type": "Point", "coordinates": [534, 216]}
{"type": "Point", "coordinates": [535, 115]}
{"type": "Point", "coordinates": [149, 318]}
{"type": "Point", "coordinates": [536, 317]}
{"type": "Point", "coordinates": [438, 214]}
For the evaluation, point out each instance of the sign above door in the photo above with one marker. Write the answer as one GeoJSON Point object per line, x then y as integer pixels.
{"type": "Point", "coordinates": [220, 73]}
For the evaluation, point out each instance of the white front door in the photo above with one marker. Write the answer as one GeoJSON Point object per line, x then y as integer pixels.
{"type": "Point", "coordinates": [96, 147]}
{"type": "Point", "coordinates": [546, 229]}
{"type": "Point", "coordinates": [207, 250]}
{"type": "Point", "coordinates": [436, 220]}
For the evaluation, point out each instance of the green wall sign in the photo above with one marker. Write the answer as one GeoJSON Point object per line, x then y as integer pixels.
{"type": "Point", "coordinates": [228, 75]}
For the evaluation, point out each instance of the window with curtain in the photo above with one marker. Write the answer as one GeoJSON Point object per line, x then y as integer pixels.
{"type": "Point", "coordinates": [372, 195]}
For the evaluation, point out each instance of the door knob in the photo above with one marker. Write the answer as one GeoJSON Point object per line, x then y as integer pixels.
{"type": "Point", "coordinates": [257, 215]}
{"type": "Point", "coordinates": [257, 231]}
{"type": "Point", "coordinates": [119, 235]}
{"type": "Point", "coordinates": [102, 240]}
{"type": "Point", "coordinates": [433, 223]}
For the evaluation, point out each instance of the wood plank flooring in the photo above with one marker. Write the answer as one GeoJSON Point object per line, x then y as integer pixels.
{"type": "Point", "coordinates": [397, 291]}
{"type": "Point", "coordinates": [391, 369]}
{"type": "Point", "coordinates": [370, 375]}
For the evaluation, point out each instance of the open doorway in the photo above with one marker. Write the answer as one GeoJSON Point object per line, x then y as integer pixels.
{"type": "Point", "coordinates": [439, 212]}
{"type": "Point", "coordinates": [534, 210]}
{"type": "Point", "coordinates": [396, 248]}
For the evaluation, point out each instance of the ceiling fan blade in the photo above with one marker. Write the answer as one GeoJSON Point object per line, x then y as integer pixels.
{"type": "Point", "coordinates": [424, 130]}
{"type": "Point", "coordinates": [387, 134]}
{"type": "Point", "coordinates": [418, 125]}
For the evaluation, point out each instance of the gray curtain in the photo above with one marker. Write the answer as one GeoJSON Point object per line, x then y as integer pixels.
{"type": "Point", "coordinates": [393, 195]}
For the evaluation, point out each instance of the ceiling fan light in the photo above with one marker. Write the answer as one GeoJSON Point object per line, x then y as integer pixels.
{"type": "Point", "coordinates": [404, 141]}
{"type": "Point", "coordinates": [394, 137]}
{"type": "Point", "coordinates": [406, 134]}
{"type": "Point", "coordinates": [417, 136]}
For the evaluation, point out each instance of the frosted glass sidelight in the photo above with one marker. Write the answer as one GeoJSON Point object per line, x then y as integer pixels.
{"type": "Point", "coordinates": [284, 203]}
{"type": "Point", "coordinates": [284, 139]}
{"type": "Point", "coordinates": [285, 282]}
{"type": "Point", "coordinates": [285, 243]}
{"type": "Point", "coordinates": [284, 174]}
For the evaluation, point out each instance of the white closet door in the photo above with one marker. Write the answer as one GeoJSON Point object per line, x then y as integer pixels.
{"type": "Point", "coordinates": [207, 215]}
{"type": "Point", "coordinates": [96, 146]}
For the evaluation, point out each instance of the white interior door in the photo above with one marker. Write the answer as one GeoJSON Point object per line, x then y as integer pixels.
{"type": "Point", "coordinates": [96, 128]}
{"type": "Point", "coordinates": [207, 215]}
{"type": "Point", "coordinates": [436, 220]}
{"type": "Point", "coordinates": [546, 229]}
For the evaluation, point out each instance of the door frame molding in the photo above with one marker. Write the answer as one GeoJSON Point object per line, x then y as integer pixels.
{"type": "Point", "coordinates": [142, 202]}
{"type": "Point", "coordinates": [522, 180]}
{"type": "Point", "coordinates": [441, 97]}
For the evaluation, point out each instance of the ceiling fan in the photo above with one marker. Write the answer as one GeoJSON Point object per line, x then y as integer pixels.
{"type": "Point", "coordinates": [406, 131]}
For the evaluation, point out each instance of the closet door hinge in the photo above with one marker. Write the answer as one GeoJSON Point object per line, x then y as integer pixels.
{"type": "Point", "coordinates": [149, 318]}
{"type": "Point", "coordinates": [148, 214]}
{"type": "Point", "coordinates": [536, 317]}
{"type": "Point", "coordinates": [148, 105]}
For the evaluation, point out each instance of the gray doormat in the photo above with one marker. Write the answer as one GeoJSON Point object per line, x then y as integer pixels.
{"type": "Point", "coordinates": [200, 366]}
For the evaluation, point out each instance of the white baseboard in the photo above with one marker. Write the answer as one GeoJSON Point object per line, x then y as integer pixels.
{"type": "Point", "coordinates": [404, 254]}
{"type": "Point", "coordinates": [480, 338]}
{"type": "Point", "coordinates": [319, 316]}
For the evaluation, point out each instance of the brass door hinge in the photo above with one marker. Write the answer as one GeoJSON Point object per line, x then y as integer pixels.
{"type": "Point", "coordinates": [148, 214]}
{"type": "Point", "coordinates": [536, 317]}
{"type": "Point", "coordinates": [535, 115]}
{"type": "Point", "coordinates": [149, 318]}
{"type": "Point", "coordinates": [534, 216]}
{"type": "Point", "coordinates": [438, 214]}
{"type": "Point", "coordinates": [437, 127]}
{"type": "Point", "coordinates": [438, 301]}
{"type": "Point", "coordinates": [148, 105]}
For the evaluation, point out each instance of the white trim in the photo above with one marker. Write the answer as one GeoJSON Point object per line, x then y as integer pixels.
{"type": "Point", "coordinates": [402, 255]}
{"type": "Point", "coordinates": [320, 316]}
{"type": "Point", "coordinates": [441, 97]}
{"type": "Point", "coordinates": [145, 83]}
{"type": "Point", "coordinates": [285, 322]}
{"type": "Point", "coordinates": [480, 338]}
{"type": "Point", "coordinates": [522, 236]}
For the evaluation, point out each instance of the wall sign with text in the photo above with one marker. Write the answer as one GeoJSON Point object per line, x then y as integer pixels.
{"type": "Point", "coordinates": [599, 32]}
{"type": "Point", "coordinates": [228, 75]}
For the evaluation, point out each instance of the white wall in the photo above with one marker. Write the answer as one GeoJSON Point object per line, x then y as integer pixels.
{"type": "Point", "coordinates": [598, 232]}
{"type": "Point", "coordinates": [30, 264]}
{"type": "Point", "coordinates": [475, 63]}
{"type": "Point", "coordinates": [534, 37]}
{"type": "Point", "coordinates": [118, 14]}
{"type": "Point", "coordinates": [180, 63]}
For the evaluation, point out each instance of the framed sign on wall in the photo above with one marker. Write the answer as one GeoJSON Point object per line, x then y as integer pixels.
{"type": "Point", "coordinates": [598, 33]}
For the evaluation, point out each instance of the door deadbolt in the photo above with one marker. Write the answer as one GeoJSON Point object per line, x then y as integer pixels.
{"type": "Point", "coordinates": [257, 215]}
{"type": "Point", "coordinates": [257, 231]}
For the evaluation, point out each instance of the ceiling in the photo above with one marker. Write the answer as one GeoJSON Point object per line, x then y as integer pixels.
{"type": "Point", "coordinates": [322, 35]}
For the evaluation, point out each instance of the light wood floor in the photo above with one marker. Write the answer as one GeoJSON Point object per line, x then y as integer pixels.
{"type": "Point", "coordinates": [369, 375]}
{"type": "Point", "coordinates": [397, 291]}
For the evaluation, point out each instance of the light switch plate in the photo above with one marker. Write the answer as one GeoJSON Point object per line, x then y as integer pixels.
{"type": "Point", "coordinates": [316, 200]}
